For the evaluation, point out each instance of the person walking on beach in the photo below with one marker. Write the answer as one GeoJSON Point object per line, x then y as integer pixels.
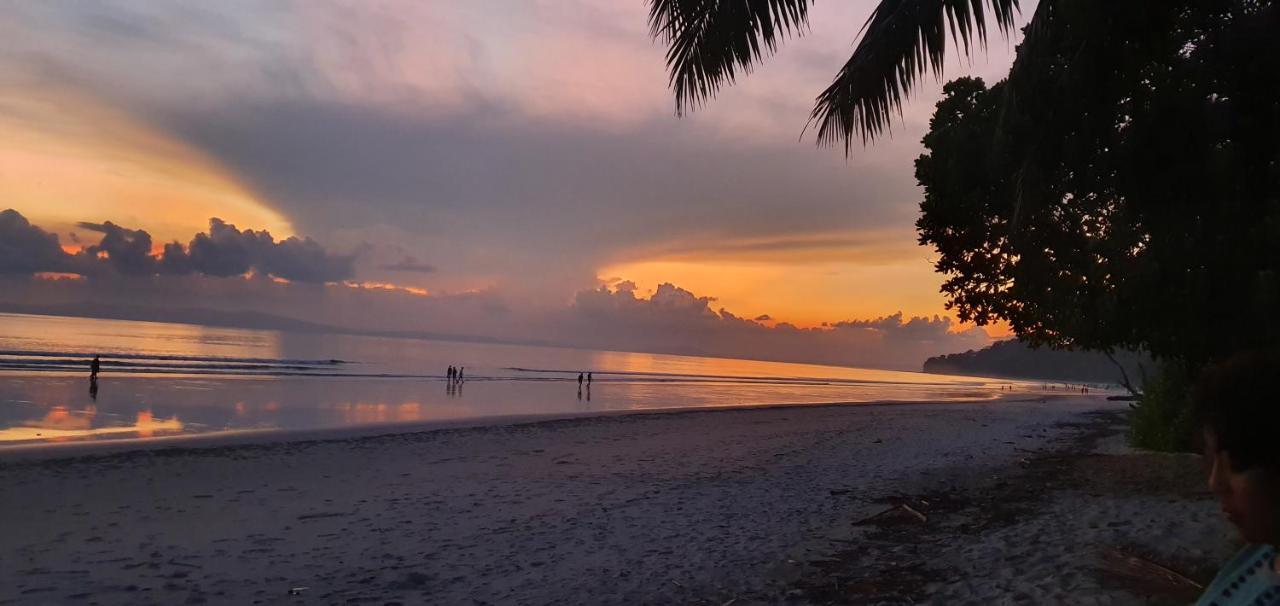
{"type": "Point", "coordinates": [94, 367]}
{"type": "Point", "coordinates": [588, 380]}
{"type": "Point", "coordinates": [459, 376]}
{"type": "Point", "coordinates": [579, 380]}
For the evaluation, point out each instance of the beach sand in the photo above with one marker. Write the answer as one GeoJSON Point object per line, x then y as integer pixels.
{"type": "Point", "coordinates": [1022, 502]}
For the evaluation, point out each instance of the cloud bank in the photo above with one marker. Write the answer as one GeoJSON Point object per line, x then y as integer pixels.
{"type": "Point", "coordinates": [222, 251]}
{"type": "Point", "coordinates": [528, 143]}
{"type": "Point", "coordinates": [318, 286]}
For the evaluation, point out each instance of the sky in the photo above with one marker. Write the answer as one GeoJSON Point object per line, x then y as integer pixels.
{"type": "Point", "coordinates": [505, 168]}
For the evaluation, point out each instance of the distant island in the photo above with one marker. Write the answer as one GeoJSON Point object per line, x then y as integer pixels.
{"type": "Point", "coordinates": [1014, 359]}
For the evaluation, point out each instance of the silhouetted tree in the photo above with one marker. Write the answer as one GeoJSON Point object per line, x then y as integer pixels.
{"type": "Point", "coordinates": [1121, 189]}
{"type": "Point", "coordinates": [1117, 191]}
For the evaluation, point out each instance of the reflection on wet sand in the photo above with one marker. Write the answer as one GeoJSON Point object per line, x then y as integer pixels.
{"type": "Point", "coordinates": [47, 407]}
{"type": "Point", "coordinates": [61, 424]}
{"type": "Point", "coordinates": [360, 413]}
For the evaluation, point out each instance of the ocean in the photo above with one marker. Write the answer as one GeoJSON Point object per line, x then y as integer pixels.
{"type": "Point", "coordinates": [164, 379]}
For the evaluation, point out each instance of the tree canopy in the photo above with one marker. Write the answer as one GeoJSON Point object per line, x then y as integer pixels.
{"type": "Point", "coordinates": [1118, 190]}
{"type": "Point", "coordinates": [1121, 188]}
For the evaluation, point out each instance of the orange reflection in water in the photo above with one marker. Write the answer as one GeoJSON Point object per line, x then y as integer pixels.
{"type": "Point", "coordinates": [61, 424]}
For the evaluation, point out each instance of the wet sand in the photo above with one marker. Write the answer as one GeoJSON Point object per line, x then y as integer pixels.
{"type": "Point", "coordinates": [706, 507]}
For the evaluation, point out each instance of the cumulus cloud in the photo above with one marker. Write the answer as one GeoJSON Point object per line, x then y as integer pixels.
{"type": "Point", "coordinates": [127, 251]}
{"type": "Point", "coordinates": [223, 251]}
{"type": "Point", "coordinates": [27, 249]}
{"type": "Point", "coordinates": [670, 319]}
{"type": "Point", "coordinates": [227, 251]}
{"type": "Point", "coordinates": [919, 328]}
{"type": "Point", "coordinates": [676, 320]}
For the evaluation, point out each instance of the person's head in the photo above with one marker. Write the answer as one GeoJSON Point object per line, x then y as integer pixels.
{"type": "Point", "coordinates": [1237, 404]}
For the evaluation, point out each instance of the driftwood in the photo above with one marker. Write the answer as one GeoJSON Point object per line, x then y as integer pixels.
{"type": "Point", "coordinates": [1127, 564]}
{"type": "Point", "coordinates": [911, 510]}
{"type": "Point", "coordinates": [899, 507]}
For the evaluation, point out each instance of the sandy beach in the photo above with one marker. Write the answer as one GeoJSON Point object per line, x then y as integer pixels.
{"type": "Point", "coordinates": [1034, 502]}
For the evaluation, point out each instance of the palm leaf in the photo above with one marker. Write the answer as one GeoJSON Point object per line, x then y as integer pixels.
{"type": "Point", "coordinates": [710, 41]}
{"type": "Point", "coordinates": [901, 41]}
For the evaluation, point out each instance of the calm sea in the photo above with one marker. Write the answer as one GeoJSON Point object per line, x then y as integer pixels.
{"type": "Point", "coordinates": [164, 379]}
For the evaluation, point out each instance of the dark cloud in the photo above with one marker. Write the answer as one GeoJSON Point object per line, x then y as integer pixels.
{"type": "Point", "coordinates": [227, 251]}
{"type": "Point", "coordinates": [27, 249]}
{"type": "Point", "coordinates": [223, 251]}
{"type": "Point", "coordinates": [409, 264]}
{"type": "Point", "coordinates": [127, 251]}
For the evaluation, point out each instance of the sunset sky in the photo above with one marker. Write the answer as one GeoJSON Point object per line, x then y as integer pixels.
{"type": "Point", "coordinates": [517, 151]}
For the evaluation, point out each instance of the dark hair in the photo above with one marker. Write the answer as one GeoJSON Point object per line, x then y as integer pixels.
{"type": "Point", "coordinates": [1236, 399]}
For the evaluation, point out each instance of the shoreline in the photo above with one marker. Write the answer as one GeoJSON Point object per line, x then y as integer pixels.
{"type": "Point", "coordinates": [38, 451]}
{"type": "Point", "coordinates": [755, 505]}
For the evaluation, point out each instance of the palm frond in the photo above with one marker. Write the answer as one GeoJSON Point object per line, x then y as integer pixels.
{"type": "Point", "coordinates": [901, 41]}
{"type": "Point", "coordinates": [710, 41]}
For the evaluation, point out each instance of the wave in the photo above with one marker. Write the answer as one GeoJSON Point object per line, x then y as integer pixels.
{"type": "Point", "coordinates": [169, 366]}
{"type": "Point", "coordinates": [226, 366]}
{"type": "Point", "coordinates": [112, 355]}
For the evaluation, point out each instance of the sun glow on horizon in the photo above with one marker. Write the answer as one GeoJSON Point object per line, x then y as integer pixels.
{"type": "Point", "coordinates": [808, 295]}
{"type": "Point", "coordinates": [66, 159]}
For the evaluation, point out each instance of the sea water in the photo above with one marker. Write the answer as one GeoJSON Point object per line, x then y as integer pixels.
{"type": "Point", "coordinates": [162, 379]}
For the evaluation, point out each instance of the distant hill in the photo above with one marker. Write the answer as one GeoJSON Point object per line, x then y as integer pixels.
{"type": "Point", "coordinates": [1013, 359]}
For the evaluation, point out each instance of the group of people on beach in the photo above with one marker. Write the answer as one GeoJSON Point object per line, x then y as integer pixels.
{"type": "Point", "coordinates": [455, 375]}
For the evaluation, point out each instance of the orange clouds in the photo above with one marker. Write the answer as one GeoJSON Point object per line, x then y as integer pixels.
{"type": "Point", "coordinates": [805, 279]}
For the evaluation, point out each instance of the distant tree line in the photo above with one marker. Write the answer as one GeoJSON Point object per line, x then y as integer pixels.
{"type": "Point", "coordinates": [1014, 359]}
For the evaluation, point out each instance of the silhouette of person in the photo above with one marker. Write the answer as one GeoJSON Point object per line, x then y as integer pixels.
{"type": "Point", "coordinates": [94, 367]}
{"type": "Point", "coordinates": [460, 369]}
{"type": "Point", "coordinates": [588, 380]}
{"type": "Point", "coordinates": [579, 380]}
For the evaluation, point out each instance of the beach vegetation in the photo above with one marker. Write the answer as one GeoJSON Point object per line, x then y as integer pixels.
{"type": "Point", "coordinates": [1162, 418]}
